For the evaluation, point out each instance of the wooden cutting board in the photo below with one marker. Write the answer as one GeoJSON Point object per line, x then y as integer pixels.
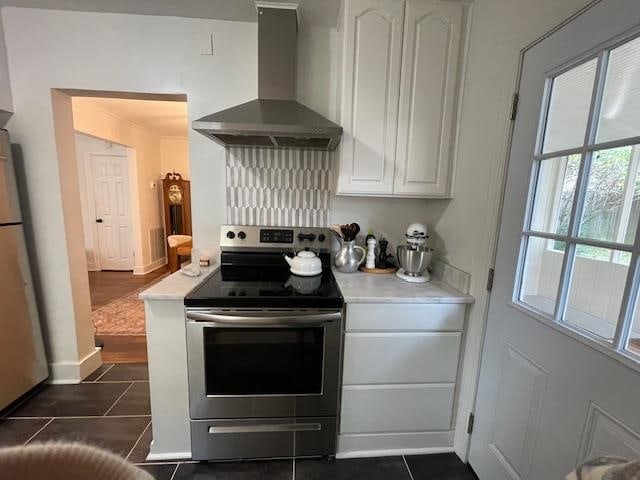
{"type": "Point", "coordinates": [379, 271]}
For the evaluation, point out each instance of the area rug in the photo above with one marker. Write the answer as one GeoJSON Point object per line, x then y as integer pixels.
{"type": "Point", "coordinates": [124, 316]}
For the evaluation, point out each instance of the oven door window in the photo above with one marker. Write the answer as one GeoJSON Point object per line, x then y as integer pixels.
{"type": "Point", "coordinates": [263, 361]}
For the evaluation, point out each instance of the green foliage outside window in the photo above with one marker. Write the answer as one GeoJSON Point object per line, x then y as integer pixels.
{"type": "Point", "coordinates": [604, 201]}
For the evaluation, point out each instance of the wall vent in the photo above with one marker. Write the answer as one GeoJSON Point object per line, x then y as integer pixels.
{"type": "Point", "coordinates": [157, 243]}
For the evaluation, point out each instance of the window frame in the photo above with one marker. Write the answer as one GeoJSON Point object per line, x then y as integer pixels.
{"type": "Point", "coordinates": [618, 347]}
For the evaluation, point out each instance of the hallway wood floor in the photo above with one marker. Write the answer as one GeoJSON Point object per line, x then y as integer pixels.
{"type": "Point", "coordinates": [107, 286]}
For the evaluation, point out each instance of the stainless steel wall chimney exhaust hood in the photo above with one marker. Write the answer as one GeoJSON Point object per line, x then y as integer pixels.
{"type": "Point", "coordinates": [275, 119]}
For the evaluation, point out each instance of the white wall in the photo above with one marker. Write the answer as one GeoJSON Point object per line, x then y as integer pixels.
{"type": "Point", "coordinates": [6, 103]}
{"type": "Point", "coordinates": [174, 156]}
{"type": "Point", "coordinates": [69, 337]}
{"type": "Point", "coordinates": [54, 49]}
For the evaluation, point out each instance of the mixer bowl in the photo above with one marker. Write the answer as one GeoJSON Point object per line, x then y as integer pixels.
{"type": "Point", "coordinates": [414, 260]}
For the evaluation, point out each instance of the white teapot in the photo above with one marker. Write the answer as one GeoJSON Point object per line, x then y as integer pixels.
{"type": "Point", "coordinates": [305, 264]}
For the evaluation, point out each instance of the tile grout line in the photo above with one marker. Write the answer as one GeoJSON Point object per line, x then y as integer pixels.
{"type": "Point", "coordinates": [406, 464]}
{"type": "Point", "coordinates": [120, 381]}
{"type": "Point", "coordinates": [40, 430]}
{"type": "Point", "coordinates": [118, 399]}
{"type": "Point", "coordinates": [103, 373]}
{"type": "Point", "coordinates": [144, 430]}
{"type": "Point", "coordinates": [175, 470]}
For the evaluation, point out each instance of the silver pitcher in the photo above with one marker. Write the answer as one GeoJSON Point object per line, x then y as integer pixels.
{"type": "Point", "coordinates": [346, 260]}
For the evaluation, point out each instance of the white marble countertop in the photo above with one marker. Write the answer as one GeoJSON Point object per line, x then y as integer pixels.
{"type": "Point", "coordinates": [360, 287]}
{"type": "Point", "coordinates": [177, 285]}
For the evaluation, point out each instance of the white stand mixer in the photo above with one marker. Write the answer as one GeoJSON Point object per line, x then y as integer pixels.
{"type": "Point", "coordinates": [415, 256]}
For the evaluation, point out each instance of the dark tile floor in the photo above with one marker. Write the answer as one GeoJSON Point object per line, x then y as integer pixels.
{"type": "Point", "coordinates": [111, 409]}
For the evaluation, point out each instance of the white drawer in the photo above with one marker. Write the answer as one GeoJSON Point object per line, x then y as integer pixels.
{"type": "Point", "coordinates": [396, 408]}
{"type": "Point", "coordinates": [403, 317]}
{"type": "Point", "coordinates": [394, 358]}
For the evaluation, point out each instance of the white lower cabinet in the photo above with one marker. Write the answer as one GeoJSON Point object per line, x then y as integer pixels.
{"type": "Point", "coordinates": [396, 408]}
{"type": "Point", "coordinates": [397, 358]}
{"type": "Point", "coordinates": [400, 368]}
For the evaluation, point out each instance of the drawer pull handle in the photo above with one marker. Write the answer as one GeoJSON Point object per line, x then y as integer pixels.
{"type": "Point", "coordinates": [260, 428]}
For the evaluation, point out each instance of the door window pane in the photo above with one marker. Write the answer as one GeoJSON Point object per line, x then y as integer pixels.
{"type": "Point", "coordinates": [569, 105]}
{"type": "Point", "coordinates": [541, 275]}
{"type": "Point", "coordinates": [612, 201]}
{"type": "Point", "coordinates": [620, 111]}
{"type": "Point", "coordinates": [595, 293]}
{"type": "Point", "coordinates": [553, 200]}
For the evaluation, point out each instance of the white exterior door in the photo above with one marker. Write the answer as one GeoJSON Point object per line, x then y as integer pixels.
{"type": "Point", "coordinates": [559, 380]}
{"type": "Point", "coordinates": [113, 215]}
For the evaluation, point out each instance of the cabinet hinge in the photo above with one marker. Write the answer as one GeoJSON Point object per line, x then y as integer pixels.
{"type": "Point", "coordinates": [514, 106]}
{"type": "Point", "coordinates": [490, 276]}
{"type": "Point", "coordinates": [472, 418]}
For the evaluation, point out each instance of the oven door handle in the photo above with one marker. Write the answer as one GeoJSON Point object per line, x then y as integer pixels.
{"type": "Point", "coordinates": [264, 428]}
{"type": "Point", "coordinates": [287, 320]}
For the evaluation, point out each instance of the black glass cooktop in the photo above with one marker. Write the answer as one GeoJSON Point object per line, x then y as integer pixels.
{"type": "Point", "coordinates": [265, 282]}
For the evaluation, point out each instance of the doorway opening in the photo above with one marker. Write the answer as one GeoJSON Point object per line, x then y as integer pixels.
{"type": "Point", "coordinates": [127, 146]}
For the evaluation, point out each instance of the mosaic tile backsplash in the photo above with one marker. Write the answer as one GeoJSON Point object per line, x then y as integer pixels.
{"type": "Point", "coordinates": [278, 187]}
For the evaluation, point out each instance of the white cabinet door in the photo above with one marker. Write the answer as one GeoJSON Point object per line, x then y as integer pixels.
{"type": "Point", "coordinates": [428, 97]}
{"type": "Point", "coordinates": [394, 358]}
{"type": "Point", "coordinates": [405, 317]}
{"type": "Point", "coordinates": [372, 58]}
{"type": "Point", "coordinates": [397, 408]}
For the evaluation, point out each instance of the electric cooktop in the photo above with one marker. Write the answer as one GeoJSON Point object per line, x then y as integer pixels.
{"type": "Point", "coordinates": [254, 274]}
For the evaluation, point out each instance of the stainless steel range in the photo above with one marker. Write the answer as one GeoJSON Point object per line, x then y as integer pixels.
{"type": "Point", "coordinates": [264, 349]}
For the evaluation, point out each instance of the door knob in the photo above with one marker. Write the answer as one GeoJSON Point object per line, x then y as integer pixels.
{"type": "Point", "coordinates": [98, 220]}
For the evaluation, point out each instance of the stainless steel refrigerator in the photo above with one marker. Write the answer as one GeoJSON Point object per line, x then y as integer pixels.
{"type": "Point", "coordinates": [23, 363]}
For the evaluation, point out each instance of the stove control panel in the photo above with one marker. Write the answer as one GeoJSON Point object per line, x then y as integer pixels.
{"type": "Point", "coordinates": [269, 235]}
{"type": "Point", "coordinates": [243, 237]}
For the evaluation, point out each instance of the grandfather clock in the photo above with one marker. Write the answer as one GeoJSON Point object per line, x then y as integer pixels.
{"type": "Point", "coordinates": [176, 197]}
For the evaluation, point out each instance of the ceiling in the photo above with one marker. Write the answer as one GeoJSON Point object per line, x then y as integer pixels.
{"type": "Point", "coordinates": [167, 119]}
{"type": "Point", "coordinates": [322, 13]}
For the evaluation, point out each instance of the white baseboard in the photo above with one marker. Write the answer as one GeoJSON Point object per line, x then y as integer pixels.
{"type": "Point", "coordinates": [157, 457]}
{"type": "Point", "coordinates": [394, 453]}
{"type": "Point", "coordinates": [74, 372]}
{"type": "Point", "coordinates": [149, 267]}
{"type": "Point", "coordinates": [388, 444]}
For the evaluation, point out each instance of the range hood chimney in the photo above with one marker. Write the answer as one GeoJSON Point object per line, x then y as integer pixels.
{"type": "Point", "coordinates": [275, 119]}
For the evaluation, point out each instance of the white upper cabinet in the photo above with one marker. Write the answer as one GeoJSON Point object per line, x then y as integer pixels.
{"type": "Point", "coordinates": [428, 97]}
{"type": "Point", "coordinates": [400, 121]}
{"type": "Point", "coordinates": [372, 59]}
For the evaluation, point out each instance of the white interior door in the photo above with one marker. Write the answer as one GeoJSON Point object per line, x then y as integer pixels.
{"type": "Point", "coordinates": [559, 379]}
{"type": "Point", "coordinates": [113, 215]}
